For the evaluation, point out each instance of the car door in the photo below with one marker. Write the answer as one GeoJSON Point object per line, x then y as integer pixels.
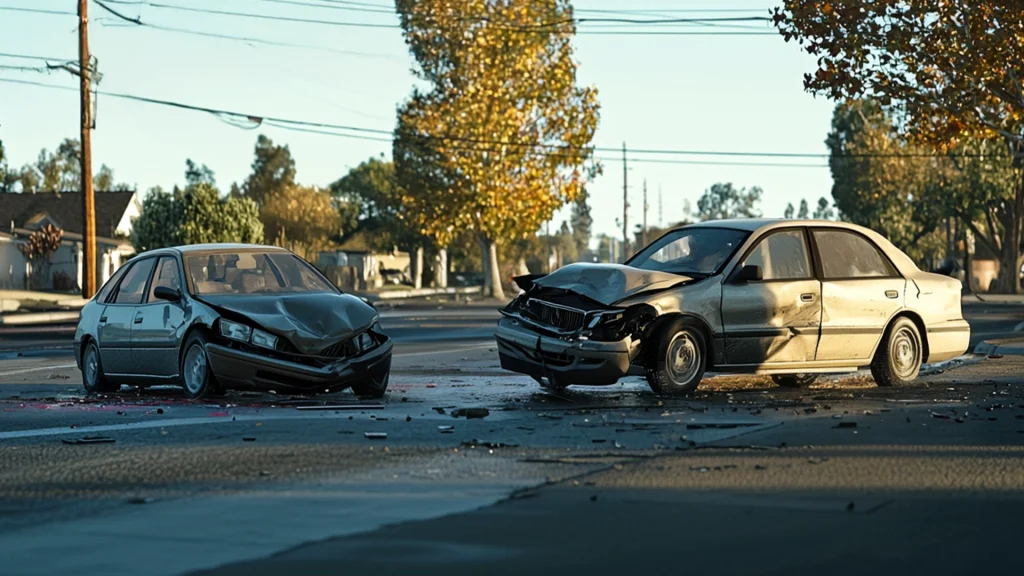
{"type": "Point", "coordinates": [861, 291]}
{"type": "Point", "coordinates": [157, 325]}
{"type": "Point", "coordinates": [115, 327]}
{"type": "Point", "coordinates": [776, 319]}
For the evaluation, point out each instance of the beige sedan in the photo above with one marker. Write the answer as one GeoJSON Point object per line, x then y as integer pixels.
{"type": "Point", "coordinates": [788, 298]}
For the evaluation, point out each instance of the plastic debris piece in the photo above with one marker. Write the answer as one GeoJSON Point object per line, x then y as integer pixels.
{"type": "Point", "coordinates": [140, 500]}
{"type": "Point", "coordinates": [375, 435]}
{"type": "Point", "coordinates": [89, 440]}
{"type": "Point", "coordinates": [248, 439]}
{"type": "Point", "coordinates": [846, 424]}
{"type": "Point", "coordinates": [471, 413]}
{"type": "Point", "coordinates": [445, 428]}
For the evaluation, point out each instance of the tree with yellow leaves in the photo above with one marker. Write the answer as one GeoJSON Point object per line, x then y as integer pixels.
{"type": "Point", "coordinates": [950, 72]}
{"type": "Point", "coordinates": [300, 218]}
{"type": "Point", "coordinates": [502, 139]}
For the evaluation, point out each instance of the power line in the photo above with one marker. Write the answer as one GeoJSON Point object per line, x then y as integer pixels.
{"type": "Point", "coordinates": [557, 150]}
{"type": "Point", "coordinates": [31, 57]}
{"type": "Point", "coordinates": [36, 11]}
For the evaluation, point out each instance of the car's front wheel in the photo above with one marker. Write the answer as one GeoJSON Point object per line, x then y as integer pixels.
{"type": "Point", "coordinates": [676, 357]}
{"type": "Point", "coordinates": [93, 377]}
{"type": "Point", "coordinates": [196, 377]}
{"type": "Point", "coordinates": [794, 380]}
{"type": "Point", "coordinates": [899, 356]}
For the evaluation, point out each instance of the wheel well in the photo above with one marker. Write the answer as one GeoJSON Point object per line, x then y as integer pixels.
{"type": "Point", "coordinates": [188, 334]}
{"type": "Point", "coordinates": [697, 322]}
{"type": "Point", "coordinates": [913, 317]}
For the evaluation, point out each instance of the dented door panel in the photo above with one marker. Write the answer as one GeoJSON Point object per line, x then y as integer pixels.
{"type": "Point", "coordinates": [854, 314]}
{"type": "Point", "coordinates": [771, 322]}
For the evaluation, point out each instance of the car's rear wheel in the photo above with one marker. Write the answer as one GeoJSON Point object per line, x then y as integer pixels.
{"type": "Point", "coordinates": [899, 356]}
{"type": "Point", "coordinates": [196, 377]}
{"type": "Point", "coordinates": [794, 380]}
{"type": "Point", "coordinates": [676, 358]}
{"type": "Point", "coordinates": [93, 377]}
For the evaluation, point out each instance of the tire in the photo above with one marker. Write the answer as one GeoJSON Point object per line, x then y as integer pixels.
{"type": "Point", "coordinates": [196, 377]}
{"type": "Point", "coordinates": [900, 355]}
{"type": "Point", "coordinates": [676, 358]}
{"type": "Point", "coordinates": [794, 380]}
{"type": "Point", "coordinates": [93, 378]}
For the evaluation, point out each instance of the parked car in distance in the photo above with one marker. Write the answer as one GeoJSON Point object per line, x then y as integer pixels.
{"type": "Point", "coordinates": [217, 316]}
{"type": "Point", "coordinates": [792, 299]}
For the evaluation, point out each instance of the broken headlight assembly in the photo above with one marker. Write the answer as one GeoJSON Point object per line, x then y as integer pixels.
{"type": "Point", "coordinates": [241, 333]}
{"type": "Point", "coordinates": [614, 325]}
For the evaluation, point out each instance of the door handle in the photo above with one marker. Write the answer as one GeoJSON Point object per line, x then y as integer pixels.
{"type": "Point", "coordinates": [138, 319]}
{"type": "Point", "coordinates": [103, 319]}
{"type": "Point", "coordinates": [807, 297]}
{"type": "Point", "coordinates": [892, 294]}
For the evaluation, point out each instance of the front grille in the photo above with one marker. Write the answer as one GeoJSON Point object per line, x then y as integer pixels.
{"type": "Point", "coordinates": [561, 317]}
{"type": "Point", "coordinates": [350, 348]}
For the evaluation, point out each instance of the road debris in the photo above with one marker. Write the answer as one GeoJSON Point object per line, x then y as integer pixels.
{"type": "Point", "coordinates": [248, 439]}
{"type": "Point", "coordinates": [141, 500]}
{"type": "Point", "coordinates": [375, 435]}
{"type": "Point", "coordinates": [342, 407]}
{"type": "Point", "coordinates": [939, 416]}
{"type": "Point", "coordinates": [89, 440]}
{"type": "Point", "coordinates": [445, 429]}
{"type": "Point", "coordinates": [846, 424]}
{"type": "Point", "coordinates": [471, 413]}
{"type": "Point", "coordinates": [488, 444]}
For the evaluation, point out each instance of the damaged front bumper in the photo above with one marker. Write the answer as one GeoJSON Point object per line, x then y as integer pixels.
{"type": "Point", "coordinates": [562, 361]}
{"type": "Point", "coordinates": [244, 368]}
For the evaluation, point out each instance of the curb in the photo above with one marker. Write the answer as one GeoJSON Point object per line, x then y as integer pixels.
{"type": "Point", "coordinates": [38, 318]}
{"type": "Point", "coordinates": [990, 348]}
{"type": "Point", "coordinates": [414, 293]}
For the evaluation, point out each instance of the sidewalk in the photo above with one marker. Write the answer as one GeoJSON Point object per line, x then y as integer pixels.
{"type": "Point", "coordinates": [1002, 347]}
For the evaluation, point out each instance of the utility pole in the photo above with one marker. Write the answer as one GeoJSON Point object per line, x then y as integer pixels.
{"type": "Point", "coordinates": [88, 201]}
{"type": "Point", "coordinates": [661, 210]}
{"type": "Point", "coordinates": [625, 206]}
{"type": "Point", "coordinates": [643, 227]}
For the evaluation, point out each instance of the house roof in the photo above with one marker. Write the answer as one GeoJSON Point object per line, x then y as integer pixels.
{"type": "Point", "coordinates": [63, 209]}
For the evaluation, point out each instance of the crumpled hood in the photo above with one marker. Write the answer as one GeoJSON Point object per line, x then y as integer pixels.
{"type": "Point", "coordinates": [609, 283]}
{"type": "Point", "coordinates": [311, 322]}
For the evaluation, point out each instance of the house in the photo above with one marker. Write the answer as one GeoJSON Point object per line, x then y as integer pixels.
{"type": "Point", "coordinates": [22, 214]}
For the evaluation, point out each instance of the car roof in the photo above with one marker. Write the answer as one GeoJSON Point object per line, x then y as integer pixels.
{"type": "Point", "coordinates": [214, 248]}
{"type": "Point", "coordinates": [755, 224]}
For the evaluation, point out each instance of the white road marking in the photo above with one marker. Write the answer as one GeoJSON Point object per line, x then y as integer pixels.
{"type": "Point", "coordinates": [437, 352]}
{"type": "Point", "coordinates": [37, 369]}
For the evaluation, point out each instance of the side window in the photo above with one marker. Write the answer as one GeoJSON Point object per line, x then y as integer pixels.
{"type": "Point", "coordinates": [166, 275]}
{"type": "Point", "coordinates": [848, 255]}
{"type": "Point", "coordinates": [133, 286]}
{"type": "Point", "coordinates": [782, 256]}
{"type": "Point", "coordinates": [107, 288]}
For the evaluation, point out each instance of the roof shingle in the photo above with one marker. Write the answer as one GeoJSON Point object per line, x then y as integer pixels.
{"type": "Point", "coordinates": [65, 208]}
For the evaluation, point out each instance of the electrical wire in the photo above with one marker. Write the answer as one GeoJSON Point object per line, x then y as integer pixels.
{"type": "Point", "coordinates": [37, 11]}
{"type": "Point", "coordinates": [361, 132]}
{"type": "Point", "coordinates": [32, 57]}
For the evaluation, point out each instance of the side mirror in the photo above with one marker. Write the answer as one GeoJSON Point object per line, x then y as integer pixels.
{"type": "Point", "coordinates": [749, 273]}
{"type": "Point", "coordinates": [167, 293]}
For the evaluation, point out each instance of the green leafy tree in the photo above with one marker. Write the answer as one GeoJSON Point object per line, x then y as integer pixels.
{"type": "Point", "coordinates": [824, 210]}
{"type": "Point", "coordinates": [8, 178]}
{"type": "Point", "coordinates": [474, 150]}
{"type": "Point", "coordinates": [206, 218]}
{"type": "Point", "coordinates": [804, 212]}
{"type": "Point", "coordinates": [273, 168]}
{"type": "Point", "coordinates": [788, 214]}
{"type": "Point", "coordinates": [878, 181]}
{"type": "Point", "coordinates": [196, 174]}
{"type": "Point", "coordinates": [724, 201]}
{"type": "Point", "coordinates": [370, 203]}
{"type": "Point", "coordinates": [950, 70]}
{"type": "Point", "coordinates": [582, 222]}
{"type": "Point", "coordinates": [157, 225]}
{"type": "Point", "coordinates": [300, 218]}
{"type": "Point", "coordinates": [60, 171]}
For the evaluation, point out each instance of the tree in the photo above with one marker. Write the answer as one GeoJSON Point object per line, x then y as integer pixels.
{"type": "Point", "coordinates": [157, 225]}
{"type": "Point", "coordinates": [723, 201]}
{"type": "Point", "coordinates": [502, 138]}
{"type": "Point", "coordinates": [788, 214]}
{"type": "Point", "coordinates": [950, 70]}
{"type": "Point", "coordinates": [38, 249]}
{"type": "Point", "coordinates": [8, 176]}
{"type": "Point", "coordinates": [273, 168]}
{"type": "Point", "coordinates": [878, 181]}
{"type": "Point", "coordinates": [804, 212]}
{"type": "Point", "coordinates": [824, 211]}
{"type": "Point", "coordinates": [582, 222]}
{"type": "Point", "coordinates": [195, 215]}
{"type": "Point", "coordinates": [300, 218]}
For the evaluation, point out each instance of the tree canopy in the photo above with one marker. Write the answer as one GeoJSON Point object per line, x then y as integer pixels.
{"type": "Point", "coordinates": [501, 138]}
{"type": "Point", "coordinates": [723, 201]}
{"type": "Point", "coordinates": [273, 168]}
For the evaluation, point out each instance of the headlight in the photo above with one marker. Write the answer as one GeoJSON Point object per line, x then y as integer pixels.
{"type": "Point", "coordinates": [235, 330]}
{"type": "Point", "coordinates": [264, 339]}
{"type": "Point", "coordinates": [603, 318]}
{"type": "Point", "coordinates": [364, 341]}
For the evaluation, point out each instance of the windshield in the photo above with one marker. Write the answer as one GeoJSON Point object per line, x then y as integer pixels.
{"type": "Point", "coordinates": [247, 272]}
{"type": "Point", "coordinates": [696, 252]}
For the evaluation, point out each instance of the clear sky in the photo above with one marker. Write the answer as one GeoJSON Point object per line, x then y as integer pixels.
{"type": "Point", "coordinates": [740, 93]}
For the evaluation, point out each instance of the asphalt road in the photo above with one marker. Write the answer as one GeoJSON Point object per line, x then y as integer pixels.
{"type": "Point", "coordinates": [843, 477]}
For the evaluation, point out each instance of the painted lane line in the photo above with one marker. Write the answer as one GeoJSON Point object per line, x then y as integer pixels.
{"type": "Point", "coordinates": [37, 369]}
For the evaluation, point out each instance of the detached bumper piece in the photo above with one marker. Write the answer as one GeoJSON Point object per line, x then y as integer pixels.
{"type": "Point", "coordinates": [245, 368]}
{"type": "Point", "coordinates": [561, 362]}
